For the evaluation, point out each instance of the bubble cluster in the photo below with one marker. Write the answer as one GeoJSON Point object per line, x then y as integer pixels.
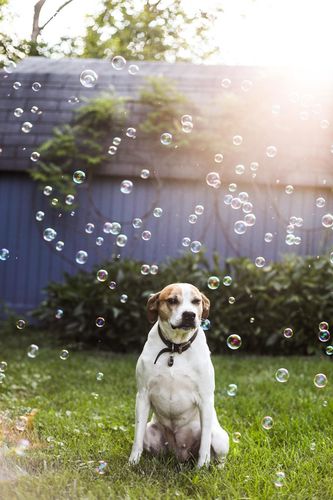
{"type": "Point", "coordinates": [234, 342]}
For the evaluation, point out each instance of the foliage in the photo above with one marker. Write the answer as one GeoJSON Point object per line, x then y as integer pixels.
{"type": "Point", "coordinates": [81, 145]}
{"type": "Point", "coordinates": [81, 421]}
{"type": "Point", "coordinates": [155, 30]}
{"type": "Point", "coordinates": [284, 294]}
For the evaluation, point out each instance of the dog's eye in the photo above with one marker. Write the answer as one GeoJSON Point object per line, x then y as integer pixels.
{"type": "Point", "coordinates": [172, 300]}
{"type": "Point", "coordinates": [196, 301]}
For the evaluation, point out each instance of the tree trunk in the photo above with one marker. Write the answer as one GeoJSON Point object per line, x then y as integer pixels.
{"type": "Point", "coordinates": [35, 24]}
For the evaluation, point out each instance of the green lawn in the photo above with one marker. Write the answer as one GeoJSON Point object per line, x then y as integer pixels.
{"type": "Point", "coordinates": [82, 421]}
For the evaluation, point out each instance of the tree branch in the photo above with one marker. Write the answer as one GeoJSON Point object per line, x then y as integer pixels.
{"type": "Point", "coordinates": [55, 14]}
{"type": "Point", "coordinates": [35, 23]}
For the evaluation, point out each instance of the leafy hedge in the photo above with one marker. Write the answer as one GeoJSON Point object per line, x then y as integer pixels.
{"type": "Point", "coordinates": [296, 293]}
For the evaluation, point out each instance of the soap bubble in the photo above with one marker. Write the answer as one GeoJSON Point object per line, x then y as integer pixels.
{"type": "Point", "coordinates": [157, 212]}
{"type": "Point", "coordinates": [324, 335]}
{"type": "Point", "coordinates": [133, 69]}
{"type": "Point", "coordinates": [234, 342]}
{"type": "Point", "coordinates": [102, 275]}
{"type": "Point", "coordinates": [213, 180]}
{"type": "Point", "coordinates": [39, 215]}
{"type": "Point", "coordinates": [145, 268]}
{"type": "Point", "coordinates": [237, 140]}
{"type": "Point", "coordinates": [112, 285]}
{"type": "Point", "coordinates": [320, 380]}
{"type": "Point", "coordinates": [146, 235]}
{"type": "Point", "coordinates": [323, 325]}
{"type": "Point", "coordinates": [59, 245]}
{"type": "Point", "coordinates": [81, 257]}
{"type": "Point", "coordinates": [115, 228]}
{"type": "Point", "coordinates": [99, 376]}
{"type": "Point", "coordinates": [187, 127]}
{"type": "Point", "coordinates": [279, 479]}
{"type": "Point", "coordinates": [236, 203]}
{"type": "Point", "coordinates": [166, 138]}
{"type": "Point", "coordinates": [243, 196]}
{"type": "Point", "coordinates": [320, 202]}
{"type": "Point", "coordinates": [195, 246]}
{"type": "Point", "coordinates": [247, 207]}
{"type": "Point", "coordinates": [116, 141]}
{"type": "Point", "coordinates": [232, 390]}
{"type": "Point", "coordinates": [288, 333]}
{"type": "Point", "coordinates": [227, 280]}
{"type": "Point", "coordinates": [267, 423]}
{"type": "Point", "coordinates": [34, 156]}
{"type": "Point", "coordinates": [282, 375]}
{"type": "Point", "coordinates": [89, 229]}
{"type": "Point", "coordinates": [88, 78]}
{"type": "Point", "coordinates": [69, 199]}
{"type": "Point", "coordinates": [20, 324]}
{"type": "Point", "coordinates": [199, 210]}
{"type": "Point", "coordinates": [193, 219]}
{"type": "Point", "coordinates": [100, 322]}
{"type": "Point", "coordinates": [4, 254]}
{"type": "Point", "coordinates": [205, 324]}
{"type": "Point", "coordinates": [290, 239]}
{"type": "Point", "coordinates": [218, 158]}
{"type": "Point", "coordinates": [59, 314]}
{"type": "Point", "coordinates": [240, 227]}
{"type": "Point", "coordinates": [47, 190]}
{"type": "Point", "coordinates": [186, 241]}
{"type": "Point", "coordinates": [185, 119]}
{"type": "Point", "coordinates": [33, 351]}
{"type": "Point", "coordinates": [112, 150]}
{"type": "Point", "coordinates": [232, 187]}
{"type": "Point", "coordinates": [250, 219]}
{"type": "Point", "coordinates": [2, 377]}
{"type": "Point", "coordinates": [26, 127]}
{"type": "Point", "coordinates": [54, 202]}
{"type": "Point", "coordinates": [64, 354]}
{"type": "Point", "coordinates": [18, 112]}
{"type": "Point", "coordinates": [327, 220]}
{"type": "Point", "coordinates": [236, 437]}
{"type": "Point", "coordinates": [131, 132]}
{"type": "Point", "coordinates": [102, 465]}
{"type": "Point", "coordinates": [231, 300]}
{"type": "Point", "coordinates": [329, 350]}
{"type": "Point", "coordinates": [268, 237]}
{"type": "Point", "coordinates": [289, 189]}
{"type": "Point", "coordinates": [121, 240]}
{"type": "Point", "coordinates": [246, 85]}
{"type": "Point", "coordinates": [9, 66]}
{"type": "Point", "coordinates": [254, 165]}
{"type": "Point", "coordinates": [3, 366]}
{"type": "Point", "coordinates": [154, 269]}
{"type": "Point", "coordinates": [73, 99]}
{"type": "Point", "coordinates": [226, 82]}
{"type": "Point", "coordinates": [271, 151]}
{"type": "Point", "coordinates": [213, 282]}
{"type": "Point", "coordinates": [228, 199]}
{"type": "Point", "coordinates": [137, 223]}
{"type": "Point", "coordinates": [49, 234]}
{"type": "Point", "coordinates": [99, 241]}
{"type": "Point", "coordinates": [239, 169]}
{"type": "Point", "coordinates": [299, 222]}
{"type": "Point", "coordinates": [22, 422]}
{"type": "Point", "coordinates": [324, 124]}
{"type": "Point", "coordinates": [145, 173]}
{"type": "Point", "coordinates": [123, 298]}
{"type": "Point", "coordinates": [260, 261]}
{"type": "Point", "coordinates": [118, 63]}
{"type": "Point", "coordinates": [79, 176]}
{"type": "Point", "coordinates": [126, 187]}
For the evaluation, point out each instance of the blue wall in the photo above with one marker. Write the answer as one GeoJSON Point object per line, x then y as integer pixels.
{"type": "Point", "coordinates": [34, 262]}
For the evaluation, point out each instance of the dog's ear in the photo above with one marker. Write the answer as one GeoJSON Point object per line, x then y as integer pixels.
{"type": "Point", "coordinates": [205, 306]}
{"type": "Point", "coordinates": [152, 307]}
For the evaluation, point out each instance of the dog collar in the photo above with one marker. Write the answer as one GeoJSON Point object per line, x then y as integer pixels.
{"type": "Point", "coordinates": [172, 347]}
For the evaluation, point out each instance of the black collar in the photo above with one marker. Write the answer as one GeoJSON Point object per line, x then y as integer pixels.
{"type": "Point", "coordinates": [172, 347]}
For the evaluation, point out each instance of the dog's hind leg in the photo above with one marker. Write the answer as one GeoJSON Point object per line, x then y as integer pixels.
{"type": "Point", "coordinates": [154, 440]}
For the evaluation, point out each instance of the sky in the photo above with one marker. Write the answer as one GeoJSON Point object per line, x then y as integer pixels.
{"type": "Point", "coordinates": [259, 32]}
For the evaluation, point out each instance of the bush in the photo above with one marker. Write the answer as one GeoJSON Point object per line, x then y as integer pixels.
{"type": "Point", "coordinates": [295, 293]}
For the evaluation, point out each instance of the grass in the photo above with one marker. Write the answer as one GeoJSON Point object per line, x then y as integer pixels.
{"type": "Point", "coordinates": [81, 421]}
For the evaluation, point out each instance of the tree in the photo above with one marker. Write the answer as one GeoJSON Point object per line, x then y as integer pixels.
{"type": "Point", "coordinates": [149, 30]}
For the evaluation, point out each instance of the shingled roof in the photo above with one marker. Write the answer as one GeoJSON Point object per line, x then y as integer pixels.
{"type": "Point", "coordinates": [307, 145]}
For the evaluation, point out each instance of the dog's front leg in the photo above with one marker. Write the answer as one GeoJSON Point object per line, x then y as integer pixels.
{"type": "Point", "coordinates": [206, 407]}
{"type": "Point", "coordinates": [142, 407]}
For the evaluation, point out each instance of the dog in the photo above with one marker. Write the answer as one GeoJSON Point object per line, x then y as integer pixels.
{"type": "Point", "coordinates": [177, 382]}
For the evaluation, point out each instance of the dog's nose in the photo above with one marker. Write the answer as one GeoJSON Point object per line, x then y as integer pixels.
{"type": "Point", "coordinates": [188, 316]}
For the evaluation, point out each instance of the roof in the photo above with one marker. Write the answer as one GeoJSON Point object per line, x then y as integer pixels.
{"type": "Point", "coordinates": [302, 138]}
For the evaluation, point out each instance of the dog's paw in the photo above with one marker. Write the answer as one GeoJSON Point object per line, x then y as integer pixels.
{"type": "Point", "coordinates": [134, 457]}
{"type": "Point", "coordinates": [203, 461]}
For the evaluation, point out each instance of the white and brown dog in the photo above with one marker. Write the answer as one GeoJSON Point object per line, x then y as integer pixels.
{"type": "Point", "coordinates": [177, 381]}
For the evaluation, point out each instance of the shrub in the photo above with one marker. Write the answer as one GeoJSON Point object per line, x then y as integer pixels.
{"type": "Point", "coordinates": [295, 293]}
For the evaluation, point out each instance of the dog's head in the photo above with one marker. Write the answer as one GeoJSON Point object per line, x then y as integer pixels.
{"type": "Point", "coordinates": [180, 306]}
